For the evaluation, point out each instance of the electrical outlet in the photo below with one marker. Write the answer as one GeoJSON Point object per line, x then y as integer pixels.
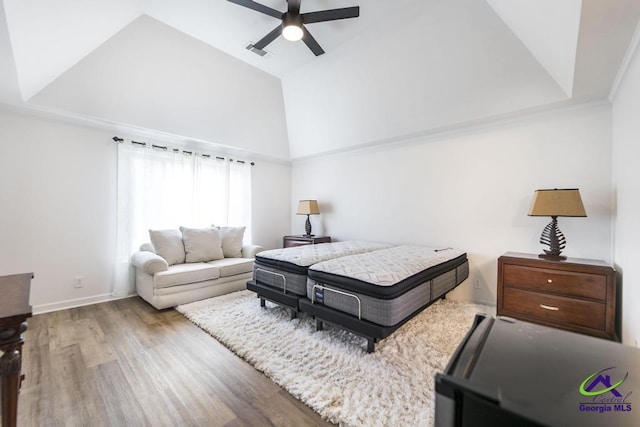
{"type": "Point", "coordinates": [476, 283]}
{"type": "Point", "coordinates": [78, 281]}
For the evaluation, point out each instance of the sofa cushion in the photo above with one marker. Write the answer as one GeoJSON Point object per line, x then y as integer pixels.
{"type": "Point", "coordinates": [232, 241]}
{"type": "Point", "coordinates": [168, 244]}
{"type": "Point", "coordinates": [181, 274]}
{"type": "Point", "coordinates": [202, 244]}
{"type": "Point", "coordinates": [232, 266]}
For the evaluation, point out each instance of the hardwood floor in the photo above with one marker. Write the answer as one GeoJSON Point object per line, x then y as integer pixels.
{"type": "Point", "coordinates": [123, 363]}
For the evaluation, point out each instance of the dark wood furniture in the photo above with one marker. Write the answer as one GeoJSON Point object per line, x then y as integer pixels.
{"type": "Point", "coordinates": [14, 311]}
{"type": "Point", "coordinates": [289, 241]}
{"type": "Point", "coordinates": [577, 295]}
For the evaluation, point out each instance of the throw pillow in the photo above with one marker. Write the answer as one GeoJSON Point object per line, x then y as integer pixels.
{"type": "Point", "coordinates": [168, 244]}
{"type": "Point", "coordinates": [202, 244]}
{"type": "Point", "coordinates": [232, 238]}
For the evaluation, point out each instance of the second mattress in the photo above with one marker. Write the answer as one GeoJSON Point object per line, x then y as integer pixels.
{"type": "Point", "coordinates": [386, 286]}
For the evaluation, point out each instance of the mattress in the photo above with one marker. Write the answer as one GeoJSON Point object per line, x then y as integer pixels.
{"type": "Point", "coordinates": [386, 286]}
{"type": "Point", "coordinates": [286, 269]}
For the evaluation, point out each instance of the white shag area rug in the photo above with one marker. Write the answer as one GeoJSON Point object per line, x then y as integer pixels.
{"type": "Point", "coordinates": [330, 370]}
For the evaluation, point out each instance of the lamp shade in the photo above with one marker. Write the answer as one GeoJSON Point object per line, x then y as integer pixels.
{"type": "Point", "coordinates": [308, 207]}
{"type": "Point", "coordinates": [555, 202]}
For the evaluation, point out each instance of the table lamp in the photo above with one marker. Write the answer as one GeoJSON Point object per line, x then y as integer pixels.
{"type": "Point", "coordinates": [555, 203]}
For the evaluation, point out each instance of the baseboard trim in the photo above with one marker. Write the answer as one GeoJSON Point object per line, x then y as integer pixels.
{"type": "Point", "coordinates": [77, 302]}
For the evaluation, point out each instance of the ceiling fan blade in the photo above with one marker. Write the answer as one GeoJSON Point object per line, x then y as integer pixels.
{"type": "Point", "coordinates": [269, 38]}
{"type": "Point", "coordinates": [311, 43]}
{"type": "Point", "coordinates": [258, 7]}
{"type": "Point", "coordinates": [331, 14]}
{"type": "Point", "coordinates": [294, 7]}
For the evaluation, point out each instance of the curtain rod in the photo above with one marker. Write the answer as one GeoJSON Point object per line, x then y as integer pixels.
{"type": "Point", "coordinates": [177, 150]}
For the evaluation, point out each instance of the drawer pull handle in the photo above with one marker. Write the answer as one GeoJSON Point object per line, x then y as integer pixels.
{"type": "Point", "coordinates": [549, 281]}
{"type": "Point", "coordinates": [548, 307]}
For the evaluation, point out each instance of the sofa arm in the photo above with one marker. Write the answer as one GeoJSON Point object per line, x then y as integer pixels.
{"type": "Point", "coordinates": [250, 251]}
{"type": "Point", "coordinates": [149, 262]}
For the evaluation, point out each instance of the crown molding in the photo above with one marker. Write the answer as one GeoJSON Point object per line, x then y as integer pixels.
{"type": "Point", "coordinates": [135, 132]}
{"type": "Point", "coordinates": [128, 131]}
{"type": "Point", "coordinates": [460, 129]}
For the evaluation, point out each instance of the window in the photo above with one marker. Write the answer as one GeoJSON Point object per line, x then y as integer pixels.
{"type": "Point", "coordinates": [164, 188]}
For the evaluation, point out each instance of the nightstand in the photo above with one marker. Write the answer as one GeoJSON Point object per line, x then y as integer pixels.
{"type": "Point", "coordinates": [289, 241]}
{"type": "Point", "coordinates": [578, 295]}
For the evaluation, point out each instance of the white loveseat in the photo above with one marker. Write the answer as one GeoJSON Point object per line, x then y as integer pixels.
{"type": "Point", "coordinates": [190, 264]}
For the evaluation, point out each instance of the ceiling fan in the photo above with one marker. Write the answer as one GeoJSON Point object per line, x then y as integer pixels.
{"type": "Point", "coordinates": [292, 26]}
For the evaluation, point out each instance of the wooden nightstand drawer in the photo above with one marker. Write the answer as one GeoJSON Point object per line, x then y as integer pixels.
{"type": "Point", "coordinates": [556, 309]}
{"type": "Point", "coordinates": [583, 285]}
{"type": "Point", "coordinates": [575, 294]}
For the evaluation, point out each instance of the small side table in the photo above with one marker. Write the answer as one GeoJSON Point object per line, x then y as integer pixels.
{"type": "Point", "coordinates": [290, 241]}
{"type": "Point", "coordinates": [578, 295]}
{"type": "Point", "coordinates": [14, 311]}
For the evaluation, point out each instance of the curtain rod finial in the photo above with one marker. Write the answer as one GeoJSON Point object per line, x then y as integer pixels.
{"type": "Point", "coordinates": [117, 139]}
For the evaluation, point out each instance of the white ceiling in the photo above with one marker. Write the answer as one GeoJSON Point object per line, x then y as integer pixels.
{"type": "Point", "coordinates": [49, 37]}
{"type": "Point", "coordinates": [578, 43]}
{"type": "Point", "coordinates": [549, 29]}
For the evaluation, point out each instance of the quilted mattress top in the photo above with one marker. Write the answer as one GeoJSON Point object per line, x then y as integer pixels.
{"type": "Point", "coordinates": [386, 267]}
{"type": "Point", "coordinates": [307, 255]}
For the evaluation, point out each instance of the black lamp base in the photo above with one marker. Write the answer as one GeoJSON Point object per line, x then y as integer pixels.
{"type": "Point", "coordinates": [307, 228]}
{"type": "Point", "coordinates": [552, 236]}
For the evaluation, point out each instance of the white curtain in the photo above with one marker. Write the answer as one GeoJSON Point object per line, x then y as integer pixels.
{"type": "Point", "coordinates": [165, 189]}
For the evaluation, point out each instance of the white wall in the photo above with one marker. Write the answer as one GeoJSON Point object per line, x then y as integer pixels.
{"type": "Point", "coordinates": [271, 196]}
{"type": "Point", "coordinates": [152, 76]}
{"type": "Point", "coordinates": [626, 185]}
{"type": "Point", "coordinates": [57, 195]}
{"type": "Point", "coordinates": [58, 207]}
{"type": "Point", "coordinates": [470, 190]}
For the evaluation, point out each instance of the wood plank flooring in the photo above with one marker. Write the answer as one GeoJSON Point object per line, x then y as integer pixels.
{"type": "Point", "coordinates": [123, 363]}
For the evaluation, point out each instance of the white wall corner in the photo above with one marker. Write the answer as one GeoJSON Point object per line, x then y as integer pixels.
{"type": "Point", "coordinates": [631, 51]}
{"type": "Point", "coordinates": [9, 85]}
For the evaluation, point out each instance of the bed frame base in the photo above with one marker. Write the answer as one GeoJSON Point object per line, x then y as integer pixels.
{"type": "Point", "coordinates": [372, 332]}
{"type": "Point", "coordinates": [371, 342]}
{"type": "Point", "coordinates": [266, 293]}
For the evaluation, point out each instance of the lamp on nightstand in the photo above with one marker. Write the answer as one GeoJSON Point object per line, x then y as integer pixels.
{"type": "Point", "coordinates": [555, 203]}
{"type": "Point", "coordinates": [308, 207]}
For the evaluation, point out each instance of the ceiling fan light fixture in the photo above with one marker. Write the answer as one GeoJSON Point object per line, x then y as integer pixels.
{"type": "Point", "coordinates": [292, 32]}
{"type": "Point", "coordinates": [292, 27]}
